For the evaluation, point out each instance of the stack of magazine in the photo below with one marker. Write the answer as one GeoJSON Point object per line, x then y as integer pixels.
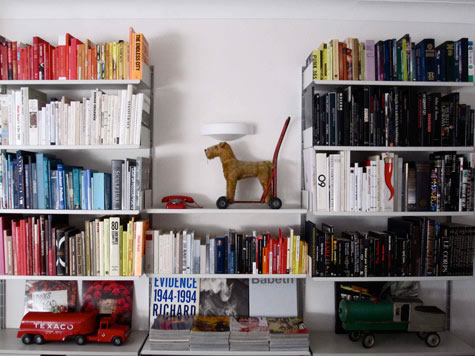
{"type": "Point", "coordinates": [288, 334]}
{"type": "Point", "coordinates": [210, 333]}
{"type": "Point", "coordinates": [249, 334]}
{"type": "Point", "coordinates": [171, 333]}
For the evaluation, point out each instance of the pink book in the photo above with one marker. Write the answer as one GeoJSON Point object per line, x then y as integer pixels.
{"type": "Point", "coordinates": [4, 225]}
{"type": "Point", "coordinates": [370, 65]}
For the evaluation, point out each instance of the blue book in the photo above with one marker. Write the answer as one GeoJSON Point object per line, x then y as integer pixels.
{"type": "Point", "coordinates": [40, 181]}
{"type": "Point", "coordinates": [20, 180]}
{"type": "Point", "coordinates": [77, 188]}
{"type": "Point", "coordinates": [220, 251]}
{"type": "Point", "coordinates": [27, 186]}
{"type": "Point", "coordinates": [61, 190]}
{"type": "Point", "coordinates": [88, 188]}
{"type": "Point", "coordinates": [54, 190]}
{"type": "Point", "coordinates": [83, 189]}
{"type": "Point", "coordinates": [34, 186]}
{"type": "Point", "coordinates": [46, 181]}
{"type": "Point", "coordinates": [13, 179]}
{"type": "Point", "coordinates": [102, 191]}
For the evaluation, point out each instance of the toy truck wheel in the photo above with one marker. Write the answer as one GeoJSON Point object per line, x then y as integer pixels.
{"type": "Point", "coordinates": [117, 341]}
{"type": "Point", "coordinates": [27, 339]}
{"type": "Point", "coordinates": [354, 336]}
{"type": "Point", "coordinates": [39, 339]}
{"type": "Point", "coordinates": [80, 339]}
{"type": "Point", "coordinates": [368, 340]}
{"type": "Point", "coordinates": [222, 203]}
{"type": "Point", "coordinates": [275, 203]}
{"type": "Point", "coordinates": [421, 335]}
{"type": "Point", "coordinates": [432, 340]}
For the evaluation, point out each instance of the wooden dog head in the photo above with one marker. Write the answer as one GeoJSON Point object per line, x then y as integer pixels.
{"type": "Point", "coordinates": [222, 150]}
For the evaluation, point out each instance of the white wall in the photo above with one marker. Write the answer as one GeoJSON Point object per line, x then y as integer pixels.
{"type": "Point", "coordinates": [237, 61]}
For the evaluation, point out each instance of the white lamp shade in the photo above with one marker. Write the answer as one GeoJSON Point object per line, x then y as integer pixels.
{"type": "Point", "coordinates": [226, 131]}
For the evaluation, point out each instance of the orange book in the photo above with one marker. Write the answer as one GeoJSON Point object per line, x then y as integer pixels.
{"type": "Point", "coordinates": [139, 55]}
{"type": "Point", "coordinates": [139, 248]}
{"type": "Point", "coordinates": [265, 261]}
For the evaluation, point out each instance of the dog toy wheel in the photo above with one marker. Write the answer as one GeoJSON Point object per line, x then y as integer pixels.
{"type": "Point", "coordinates": [432, 340]}
{"type": "Point", "coordinates": [354, 336]}
{"type": "Point", "coordinates": [275, 203]}
{"type": "Point", "coordinates": [368, 340]}
{"type": "Point", "coordinates": [222, 203]}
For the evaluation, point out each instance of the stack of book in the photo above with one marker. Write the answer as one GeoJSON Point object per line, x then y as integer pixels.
{"type": "Point", "coordinates": [31, 180]}
{"type": "Point", "coordinates": [47, 245]}
{"type": "Point", "coordinates": [28, 118]}
{"type": "Point", "coordinates": [411, 246]}
{"type": "Point", "coordinates": [171, 333]}
{"type": "Point", "coordinates": [74, 59]}
{"type": "Point", "coordinates": [288, 334]}
{"type": "Point", "coordinates": [391, 59]}
{"type": "Point", "coordinates": [386, 116]}
{"type": "Point", "coordinates": [249, 334]}
{"type": "Point", "coordinates": [387, 182]}
{"type": "Point", "coordinates": [184, 253]}
{"type": "Point", "coordinates": [210, 333]}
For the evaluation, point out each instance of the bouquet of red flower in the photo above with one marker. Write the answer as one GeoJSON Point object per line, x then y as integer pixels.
{"type": "Point", "coordinates": [114, 298]}
{"type": "Point", "coordinates": [54, 296]}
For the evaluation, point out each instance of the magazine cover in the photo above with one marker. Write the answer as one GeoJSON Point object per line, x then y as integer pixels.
{"type": "Point", "coordinates": [164, 322]}
{"type": "Point", "coordinates": [114, 298]}
{"type": "Point", "coordinates": [210, 323]}
{"type": "Point", "coordinates": [221, 296]}
{"type": "Point", "coordinates": [286, 326]}
{"type": "Point", "coordinates": [370, 290]}
{"type": "Point", "coordinates": [249, 325]}
{"type": "Point", "coordinates": [55, 296]}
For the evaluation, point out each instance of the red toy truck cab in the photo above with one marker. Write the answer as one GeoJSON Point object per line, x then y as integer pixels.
{"type": "Point", "coordinates": [39, 327]}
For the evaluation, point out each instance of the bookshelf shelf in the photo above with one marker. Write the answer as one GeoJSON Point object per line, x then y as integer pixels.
{"type": "Point", "coordinates": [147, 350]}
{"type": "Point", "coordinates": [394, 344]}
{"type": "Point", "coordinates": [75, 84]}
{"type": "Point", "coordinates": [73, 278]}
{"type": "Point", "coordinates": [227, 211]}
{"type": "Point", "coordinates": [339, 83]}
{"type": "Point", "coordinates": [392, 213]}
{"type": "Point", "coordinates": [390, 279]}
{"type": "Point", "coordinates": [394, 149]}
{"type": "Point", "coordinates": [11, 345]}
{"type": "Point", "coordinates": [69, 212]}
{"type": "Point", "coordinates": [237, 276]}
{"type": "Point", "coordinates": [73, 147]}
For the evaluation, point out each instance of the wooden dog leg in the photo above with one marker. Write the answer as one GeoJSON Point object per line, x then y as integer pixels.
{"type": "Point", "coordinates": [230, 189]}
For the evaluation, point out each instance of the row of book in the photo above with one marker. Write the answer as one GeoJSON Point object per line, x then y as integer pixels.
{"type": "Point", "coordinates": [391, 60]}
{"type": "Point", "coordinates": [411, 246]}
{"type": "Point", "coordinates": [182, 252]}
{"type": "Point", "coordinates": [223, 333]}
{"type": "Point", "coordinates": [31, 180]}
{"type": "Point", "coordinates": [387, 182]}
{"type": "Point", "coordinates": [383, 116]}
{"type": "Point", "coordinates": [74, 59]}
{"type": "Point", "coordinates": [28, 118]}
{"type": "Point", "coordinates": [48, 246]}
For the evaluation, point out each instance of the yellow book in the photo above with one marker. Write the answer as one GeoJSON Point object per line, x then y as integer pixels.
{"type": "Point", "coordinates": [130, 247]}
{"type": "Point", "coordinates": [329, 62]}
{"type": "Point", "coordinates": [356, 59]}
{"type": "Point", "coordinates": [294, 254]}
{"type": "Point", "coordinates": [121, 251]}
{"type": "Point", "coordinates": [362, 61]}
{"type": "Point", "coordinates": [302, 257]}
{"type": "Point", "coordinates": [115, 58]}
{"type": "Point", "coordinates": [120, 61]}
{"type": "Point", "coordinates": [323, 55]}
{"type": "Point", "coordinates": [317, 65]}
{"type": "Point", "coordinates": [335, 59]}
{"type": "Point", "coordinates": [111, 60]}
{"type": "Point", "coordinates": [297, 254]}
{"type": "Point", "coordinates": [87, 247]}
{"type": "Point", "coordinates": [126, 60]}
{"type": "Point", "coordinates": [106, 244]}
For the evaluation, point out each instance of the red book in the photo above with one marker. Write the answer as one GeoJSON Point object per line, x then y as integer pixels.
{"type": "Point", "coordinates": [3, 62]}
{"type": "Point", "coordinates": [36, 251]}
{"type": "Point", "coordinates": [29, 246]}
{"type": "Point", "coordinates": [19, 67]}
{"type": "Point", "coordinates": [341, 61]}
{"type": "Point", "coordinates": [30, 63]}
{"type": "Point", "coordinates": [43, 260]}
{"type": "Point", "coordinates": [14, 60]}
{"type": "Point", "coordinates": [4, 224]}
{"type": "Point", "coordinates": [73, 56]}
{"type": "Point", "coordinates": [24, 244]}
{"type": "Point", "coordinates": [53, 250]}
{"type": "Point", "coordinates": [54, 62]}
{"type": "Point", "coordinates": [10, 61]}
{"type": "Point", "coordinates": [15, 256]}
{"type": "Point", "coordinates": [37, 41]}
{"type": "Point", "coordinates": [275, 256]}
{"type": "Point", "coordinates": [24, 63]}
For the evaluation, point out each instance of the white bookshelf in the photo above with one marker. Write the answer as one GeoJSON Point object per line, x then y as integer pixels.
{"type": "Point", "coordinates": [395, 149]}
{"type": "Point", "coordinates": [74, 84]}
{"type": "Point", "coordinates": [340, 83]}
{"type": "Point", "coordinates": [41, 148]}
{"type": "Point", "coordinates": [147, 350]}
{"type": "Point", "coordinates": [11, 345]}
{"type": "Point", "coordinates": [392, 213]}
{"type": "Point", "coordinates": [235, 275]}
{"type": "Point", "coordinates": [69, 212]}
{"type": "Point", "coordinates": [391, 279]}
{"type": "Point", "coordinates": [73, 278]}
{"type": "Point", "coordinates": [391, 344]}
{"type": "Point", "coordinates": [264, 210]}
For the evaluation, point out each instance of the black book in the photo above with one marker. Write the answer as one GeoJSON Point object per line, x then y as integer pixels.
{"type": "Point", "coordinates": [462, 45]}
{"type": "Point", "coordinates": [436, 122]}
{"type": "Point", "coordinates": [366, 114]}
{"type": "Point", "coordinates": [339, 120]}
{"type": "Point", "coordinates": [316, 119]}
{"type": "Point", "coordinates": [332, 124]}
{"type": "Point", "coordinates": [346, 125]}
{"type": "Point", "coordinates": [448, 115]}
{"type": "Point", "coordinates": [428, 126]}
{"type": "Point", "coordinates": [449, 56]}
{"type": "Point", "coordinates": [423, 171]}
{"type": "Point", "coordinates": [322, 117]}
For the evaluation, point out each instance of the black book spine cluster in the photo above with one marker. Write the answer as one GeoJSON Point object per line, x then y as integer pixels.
{"type": "Point", "coordinates": [387, 116]}
{"type": "Point", "coordinates": [412, 246]}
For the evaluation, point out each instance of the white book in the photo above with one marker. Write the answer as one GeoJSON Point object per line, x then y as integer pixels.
{"type": "Point", "coordinates": [33, 121]}
{"type": "Point", "coordinates": [400, 166]}
{"type": "Point", "coordinates": [185, 252]}
{"type": "Point", "coordinates": [344, 165]}
{"type": "Point", "coordinates": [133, 118]}
{"type": "Point", "coordinates": [117, 115]}
{"type": "Point", "coordinates": [322, 182]}
{"type": "Point", "coordinates": [309, 176]}
{"type": "Point", "coordinates": [156, 251]}
{"type": "Point", "coordinates": [289, 251]}
{"type": "Point", "coordinates": [96, 111]}
{"type": "Point", "coordinates": [25, 117]}
{"type": "Point", "coordinates": [207, 247]}
{"type": "Point", "coordinates": [179, 255]}
{"type": "Point", "coordinates": [203, 260]}
{"type": "Point", "coordinates": [366, 191]}
{"type": "Point", "coordinates": [115, 247]}
{"type": "Point", "coordinates": [18, 118]}
{"type": "Point", "coordinates": [77, 123]}
{"type": "Point", "coordinates": [161, 250]}
{"type": "Point", "coordinates": [351, 189]}
{"type": "Point", "coordinates": [196, 255]}
{"type": "Point", "coordinates": [142, 105]}
{"type": "Point", "coordinates": [123, 117]}
{"type": "Point", "coordinates": [106, 236]}
{"type": "Point", "coordinates": [189, 255]}
{"type": "Point", "coordinates": [360, 188]}
{"type": "Point", "coordinates": [337, 181]}
{"type": "Point", "coordinates": [99, 247]}
{"type": "Point", "coordinates": [125, 131]}
{"type": "Point", "coordinates": [212, 256]}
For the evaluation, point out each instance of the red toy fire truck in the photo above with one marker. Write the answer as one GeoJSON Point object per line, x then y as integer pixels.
{"type": "Point", "coordinates": [39, 327]}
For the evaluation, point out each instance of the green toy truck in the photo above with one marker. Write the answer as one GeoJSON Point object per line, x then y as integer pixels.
{"type": "Point", "coordinates": [361, 318]}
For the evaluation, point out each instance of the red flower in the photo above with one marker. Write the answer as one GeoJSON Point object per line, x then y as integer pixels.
{"type": "Point", "coordinates": [107, 289]}
{"type": "Point", "coordinates": [115, 292]}
{"type": "Point", "coordinates": [97, 295]}
{"type": "Point", "coordinates": [98, 287]}
{"type": "Point", "coordinates": [91, 289]}
{"type": "Point", "coordinates": [120, 301]}
{"type": "Point", "coordinates": [126, 292]}
{"type": "Point", "coordinates": [90, 306]}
